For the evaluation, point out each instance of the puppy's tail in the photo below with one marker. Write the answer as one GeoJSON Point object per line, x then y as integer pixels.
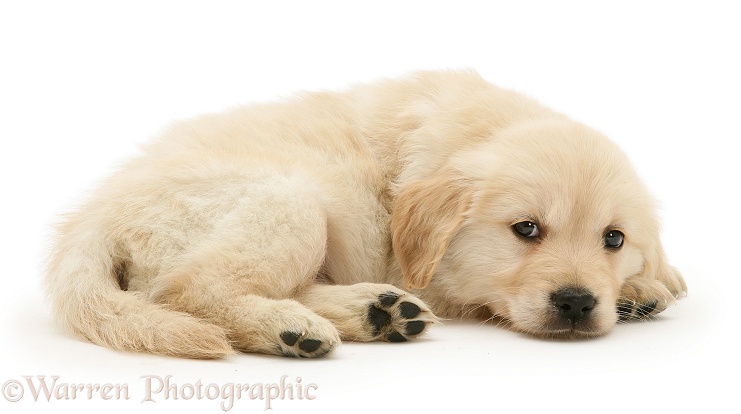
{"type": "Point", "coordinates": [82, 284]}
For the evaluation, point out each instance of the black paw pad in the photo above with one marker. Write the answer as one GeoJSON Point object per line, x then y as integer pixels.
{"type": "Point", "coordinates": [378, 318]}
{"type": "Point", "coordinates": [646, 308]}
{"type": "Point", "coordinates": [396, 337]}
{"type": "Point", "coordinates": [309, 345]}
{"type": "Point", "coordinates": [394, 317]}
{"type": "Point", "coordinates": [414, 327]}
{"type": "Point", "coordinates": [387, 299]}
{"type": "Point", "coordinates": [408, 310]}
{"type": "Point", "coordinates": [624, 309]}
{"type": "Point", "coordinates": [290, 338]}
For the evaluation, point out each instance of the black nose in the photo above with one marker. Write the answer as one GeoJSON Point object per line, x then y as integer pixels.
{"type": "Point", "coordinates": [573, 304]}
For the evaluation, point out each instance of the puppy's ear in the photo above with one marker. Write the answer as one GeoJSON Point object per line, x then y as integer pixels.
{"type": "Point", "coordinates": [426, 216]}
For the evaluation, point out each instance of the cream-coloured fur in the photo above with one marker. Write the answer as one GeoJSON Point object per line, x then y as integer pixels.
{"type": "Point", "coordinates": [284, 228]}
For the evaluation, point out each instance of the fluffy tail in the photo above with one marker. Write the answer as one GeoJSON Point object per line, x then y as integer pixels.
{"type": "Point", "coordinates": [82, 285]}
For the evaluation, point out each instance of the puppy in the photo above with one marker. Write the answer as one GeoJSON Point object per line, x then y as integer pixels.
{"type": "Point", "coordinates": [285, 228]}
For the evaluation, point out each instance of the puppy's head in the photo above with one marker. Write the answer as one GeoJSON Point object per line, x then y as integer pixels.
{"type": "Point", "coordinates": [541, 224]}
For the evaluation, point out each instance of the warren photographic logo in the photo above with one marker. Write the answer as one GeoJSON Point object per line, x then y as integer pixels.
{"type": "Point", "coordinates": [154, 388]}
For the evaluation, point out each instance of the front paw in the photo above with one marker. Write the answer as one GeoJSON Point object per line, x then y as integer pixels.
{"type": "Point", "coordinates": [396, 316]}
{"type": "Point", "coordinates": [641, 298]}
{"type": "Point", "coordinates": [673, 280]}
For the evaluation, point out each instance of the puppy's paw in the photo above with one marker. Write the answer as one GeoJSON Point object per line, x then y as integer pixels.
{"type": "Point", "coordinates": [397, 316]}
{"type": "Point", "coordinates": [307, 336]}
{"type": "Point", "coordinates": [289, 329]}
{"type": "Point", "coordinates": [641, 298]}
{"type": "Point", "coordinates": [673, 280]}
{"type": "Point", "coordinates": [306, 344]}
{"type": "Point", "coordinates": [366, 312]}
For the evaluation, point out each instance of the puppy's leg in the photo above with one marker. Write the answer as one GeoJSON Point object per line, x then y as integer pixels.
{"type": "Point", "coordinates": [254, 323]}
{"type": "Point", "coordinates": [241, 277]}
{"type": "Point", "coordinates": [369, 311]}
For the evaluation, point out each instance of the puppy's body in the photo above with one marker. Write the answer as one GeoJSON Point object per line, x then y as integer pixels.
{"type": "Point", "coordinates": [281, 228]}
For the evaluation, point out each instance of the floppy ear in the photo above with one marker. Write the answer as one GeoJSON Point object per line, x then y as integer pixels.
{"type": "Point", "coordinates": [426, 216]}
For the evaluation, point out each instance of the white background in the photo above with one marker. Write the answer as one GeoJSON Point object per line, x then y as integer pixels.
{"type": "Point", "coordinates": [83, 84]}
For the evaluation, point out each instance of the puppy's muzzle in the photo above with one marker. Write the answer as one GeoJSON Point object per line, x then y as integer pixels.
{"type": "Point", "coordinates": [573, 304]}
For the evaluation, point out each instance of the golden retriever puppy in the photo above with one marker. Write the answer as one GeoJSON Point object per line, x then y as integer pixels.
{"type": "Point", "coordinates": [285, 228]}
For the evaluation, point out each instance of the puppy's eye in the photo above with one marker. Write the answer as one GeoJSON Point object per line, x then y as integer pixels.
{"type": "Point", "coordinates": [614, 239]}
{"type": "Point", "coordinates": [526, 229]}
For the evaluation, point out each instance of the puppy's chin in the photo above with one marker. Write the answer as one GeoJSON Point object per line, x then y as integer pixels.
{"type": "Point", "coordinates": [574, 332]}
{"type": "Point", "coordinates": [547, 324]}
